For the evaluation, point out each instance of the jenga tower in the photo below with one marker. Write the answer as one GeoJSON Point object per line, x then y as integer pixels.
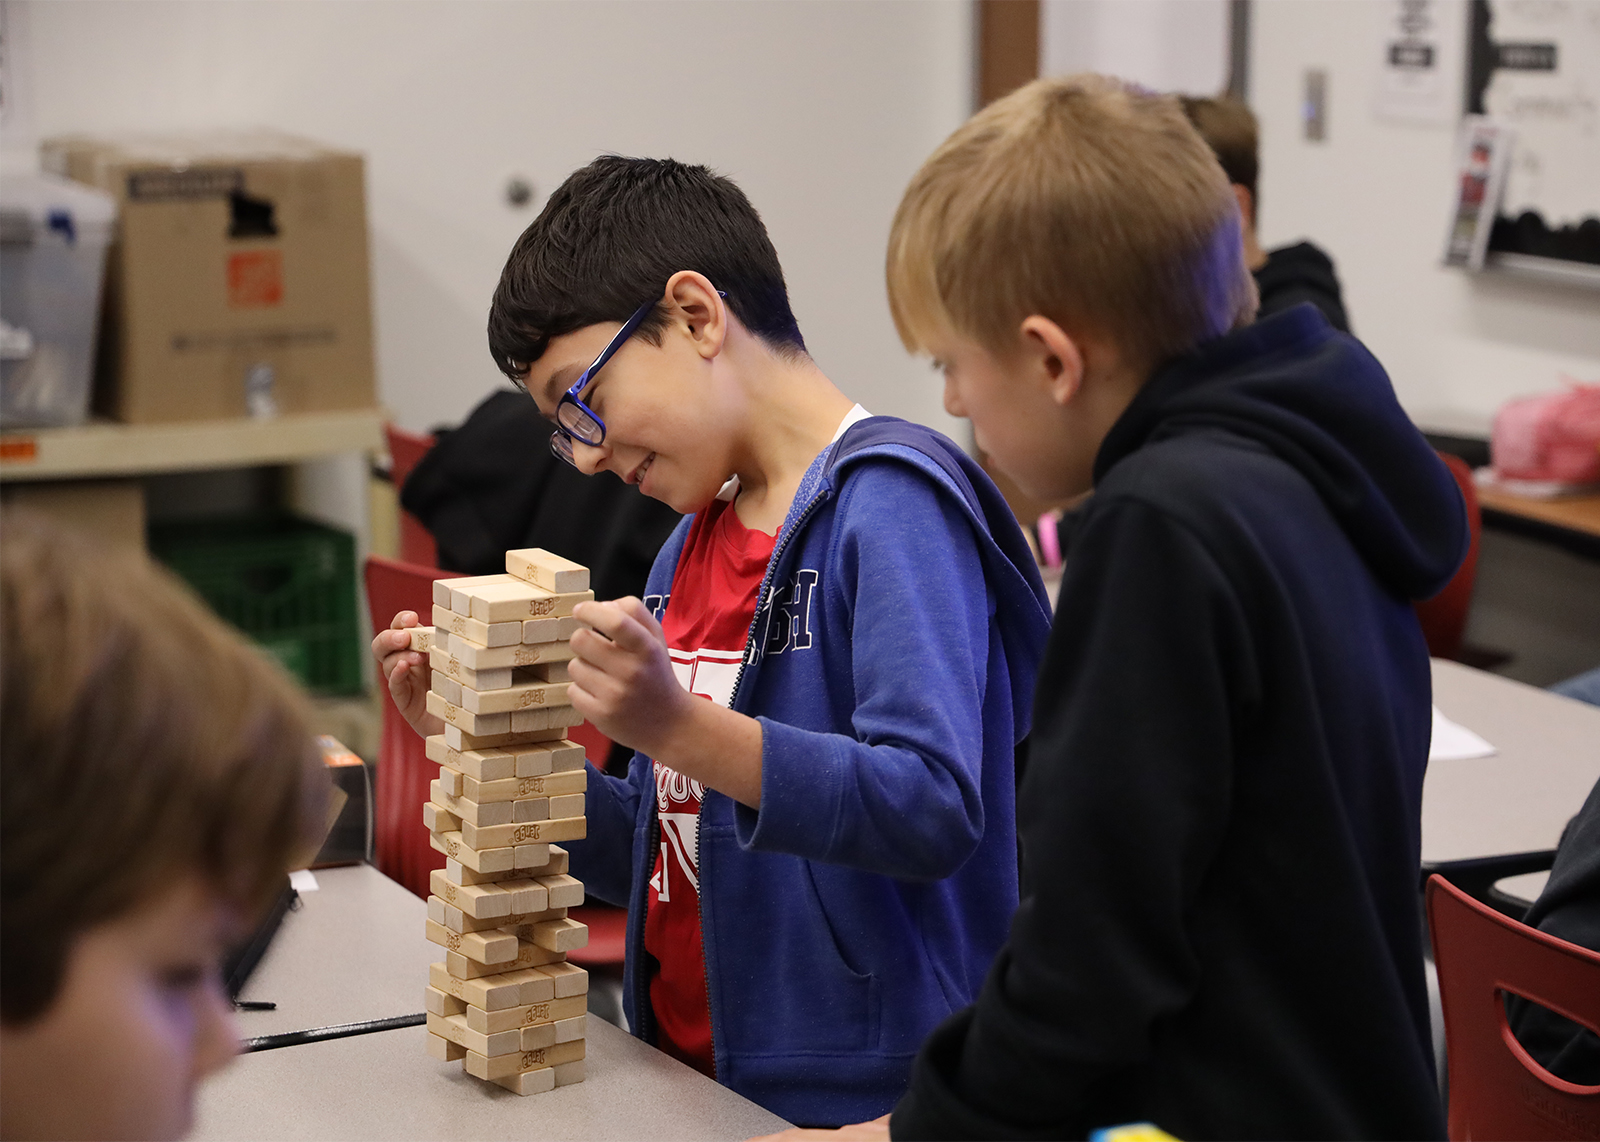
{"type": "Point", "coordinates": [505, 1000]}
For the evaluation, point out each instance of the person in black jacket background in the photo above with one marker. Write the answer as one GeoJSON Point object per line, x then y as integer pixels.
{"type": "Point", "coordinates": [1285, 276]}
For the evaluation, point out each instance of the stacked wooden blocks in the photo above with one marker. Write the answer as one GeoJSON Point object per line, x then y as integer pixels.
{"type": "Point", "coordinates": [505, 1000]}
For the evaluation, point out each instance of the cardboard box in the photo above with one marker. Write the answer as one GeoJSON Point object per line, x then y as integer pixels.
{"type": "Point", "coordinates": [238, 283]}
{"type": "Point", "coordinates": [104, 511]}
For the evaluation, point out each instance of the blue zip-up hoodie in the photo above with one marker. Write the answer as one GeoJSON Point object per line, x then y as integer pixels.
{"type": "Point", "coordinates": [891, 664]}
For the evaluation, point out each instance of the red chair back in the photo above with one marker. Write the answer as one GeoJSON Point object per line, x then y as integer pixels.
{"type": "Point", "coordinates": [406, 449]}
{"type": "Point", "coordinates": [1497, 1090]}
{"type": "Point", "coordinates": [400, 845]}
{"type": "Point", "coordinates": [1444, 617]}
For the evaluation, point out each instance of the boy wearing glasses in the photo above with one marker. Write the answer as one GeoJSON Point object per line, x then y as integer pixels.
{"type": "Point", "coordinates": [820, 860]}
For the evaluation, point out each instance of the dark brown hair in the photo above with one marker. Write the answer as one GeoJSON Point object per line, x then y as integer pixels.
{"type": "Point", "coordinates": [142, 742]}
{"type": "Point", "coordinates": [1229, 129]}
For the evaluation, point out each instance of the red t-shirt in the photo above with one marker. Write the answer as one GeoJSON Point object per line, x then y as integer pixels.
{"type": "Point", "coordinates": [714, 595]}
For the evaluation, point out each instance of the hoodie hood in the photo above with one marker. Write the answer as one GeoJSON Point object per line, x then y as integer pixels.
{"type": "Point", "coordinates": [1320, 402]}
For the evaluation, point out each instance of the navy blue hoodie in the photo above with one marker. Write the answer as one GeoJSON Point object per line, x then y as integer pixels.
{"type": "Point", "coordinates": [891, 662]}
{"type": "Point", "coordinates": [1220, 928]}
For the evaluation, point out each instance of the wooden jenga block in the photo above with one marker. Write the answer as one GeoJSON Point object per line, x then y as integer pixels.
{"type": "Point", "coordinates": [444, 663]}
{"type": "Point", "coordinates": [563, 935]}
{"type": "Point", "coordinates": [493, 992]}
{"type": "Point", "coordinates": [519, 600]}
{"type": "Point", "coordinates": [519, 788]}
{"type": "Point", "coordinates": [531, 809]}
{"type": "Point", "coordinates": [551, 630]}
{"type": "Point", "coordinates": [485, 635]}
{"type": "Point", "coordinates": [561, 890]}
{"type": "Point", "coordinates": [502, 1066]}
{"type": "Point", "coordinates": [528, 695]}
{"type": "Point", "coordinates": [447, 688]}
{"type": "Point", "coordinates": [439, 819]}
{"type": "Point", "coordinates": [456, 920]}
{"type": "Point", "coordinates": [421, 638]}
{"type": "Point", "coordinates": [569, 979]}
{"type": "Point", "coordinates": [529, 955]}
{"type": "Point", "coordinates": [461, 590]}
{"type": "Point", "coordinates": [569, 1073]}
{"type": "Point", "coordinates": [548, 570]}
{"type": "Point", "coordinates": [450, 779]}
{"type": "Point", "coordinates": [490, 763]}
{"type": "Point", "coordinates": [443, 1003]}
{"type": "Point", "coordinates": [490, 902]}
{"type": "Point", "coordinates": [501, 858]}
{"type": "Point", "coordinates": [536, 759]}
{"type": "Point", "coordinates": [566, 805]}
{"type": "Point", "coordinates": [455, 1029]}
{"type": "Point", "coordinates": [475, 657]}
{"type": "Point", "coordinates": [547, 672]}
{"type": "Point", "coordinates": [532, 856]}
{"type": "Point", "coordinates": [530, 1082]}
{"type": "Point", "coordinates": [446, 1051]}
{"type": "Point", "coordinates": [457, 738]}
{"type": "Point", "coordinates": [528, 833]}
{"type": "Point", "coordinates": [572, 1028]}
{"type": "Point", "coordinates": [442, 588]}
{"type": "Point", "coordinates": [466, 809]}
{"type": "Point", "coordinates": [544, 1014]}
{"type": "Point", "coordinates": [478, 725]}
{"type": "Point", "coordinates": [460, 874]}
{"type": "Point", "coordinates": [558, 863]}
{"type": "Point", "coordinates": [492, 947]}
{"type": "Point", "coordinates": [552, 717]}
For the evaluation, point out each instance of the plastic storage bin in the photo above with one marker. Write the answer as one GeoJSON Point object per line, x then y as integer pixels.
{"type": "Point", "coordinates": [288, 583]}
{"type": "Point", "coordinates": [53, 239]}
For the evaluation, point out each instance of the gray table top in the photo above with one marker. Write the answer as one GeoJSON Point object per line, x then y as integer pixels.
{"type": "Point", "coordinates": [354, 950]}
{"type": "Point", "coordinates": [386, 1086]}
{"type": "Point", "coordinates": [1519, 800]}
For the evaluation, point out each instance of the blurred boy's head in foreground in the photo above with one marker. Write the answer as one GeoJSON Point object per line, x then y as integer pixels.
{"type": "Point", "coordinates": [157, 774]}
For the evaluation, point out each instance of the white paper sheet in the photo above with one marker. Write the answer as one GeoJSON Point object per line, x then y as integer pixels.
{"type": "Point", "coordinates": [1452, 742]}
{"type": "Point", "coordinates": [304, 880]}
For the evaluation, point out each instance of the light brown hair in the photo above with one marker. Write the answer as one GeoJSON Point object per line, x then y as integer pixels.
{"type": "Point", "coordinates": [142, 741]}
{"type": "Point", "coordinates": [1229, 129]}
{"type": "Point", "coordinates": [1085, 200]}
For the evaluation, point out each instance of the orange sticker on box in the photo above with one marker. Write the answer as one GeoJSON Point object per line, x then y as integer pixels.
{"type": "Point", "coordinates": [19, 449]}
{"type": "Point", "coordinates": [255, 278]}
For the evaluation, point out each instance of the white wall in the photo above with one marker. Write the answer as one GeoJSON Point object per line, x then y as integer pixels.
{"type": "Point", "coordinates": [820, 110]}
{"type": "Point", "coordinates": [1376, 196]}
{"type": "Point", "coordinates": [1170, 45]}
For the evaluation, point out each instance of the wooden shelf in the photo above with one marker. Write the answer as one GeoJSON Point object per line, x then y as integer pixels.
{"type": "Point", "coordinates": [108, 449]}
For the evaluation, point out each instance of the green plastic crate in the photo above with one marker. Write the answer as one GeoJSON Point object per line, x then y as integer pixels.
{"type": "Point", "coordinates": [288, 583]}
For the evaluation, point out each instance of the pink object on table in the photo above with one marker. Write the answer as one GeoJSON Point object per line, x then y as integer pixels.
{"type": "Point", "coordinates": [1049, 540]}
{"type": "Point", "coordinates": [1553, 437]}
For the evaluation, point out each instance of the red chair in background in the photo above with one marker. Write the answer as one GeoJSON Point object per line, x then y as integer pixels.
{"type": "Point", "coordinates": [1444, 617]}
{"type": "Point", "coordinates": [400, 845]}
{"type": "Point", "coordinates": [406, 449]}
{"type": "Point", "coordinates": [1498, 1090]}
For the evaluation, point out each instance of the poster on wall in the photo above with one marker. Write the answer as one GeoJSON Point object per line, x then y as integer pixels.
{"type": "Point", "coordinates": [1484, 154]}
{"type": "Point", "coordinates": [1534, 66]}
{"type": "Point", "coordinates": [1420, 70]}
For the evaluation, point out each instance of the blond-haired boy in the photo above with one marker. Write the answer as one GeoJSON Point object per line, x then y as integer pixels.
{"type": "Point", "coordinates": [1219, 819]}
{"type": "Point", "coordinates": [156, 776]}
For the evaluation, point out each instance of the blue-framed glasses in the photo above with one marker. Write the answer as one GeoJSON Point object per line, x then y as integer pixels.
{"type": "Point", "coordinates": [576, 420]}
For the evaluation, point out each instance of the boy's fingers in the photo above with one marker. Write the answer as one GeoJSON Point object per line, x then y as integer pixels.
{"type": "Point", "coordinates": [635, 608]}
{"type": "Point", "coordinates": [612, 621]}
{"type": "Point", "coordinates": [403, 620]}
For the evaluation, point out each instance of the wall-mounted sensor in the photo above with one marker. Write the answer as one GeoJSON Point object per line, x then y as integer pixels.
{"type": "Point", "coordinates": [519, 191]}
{"type": "Point", "coordinates": [1314, 105]}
